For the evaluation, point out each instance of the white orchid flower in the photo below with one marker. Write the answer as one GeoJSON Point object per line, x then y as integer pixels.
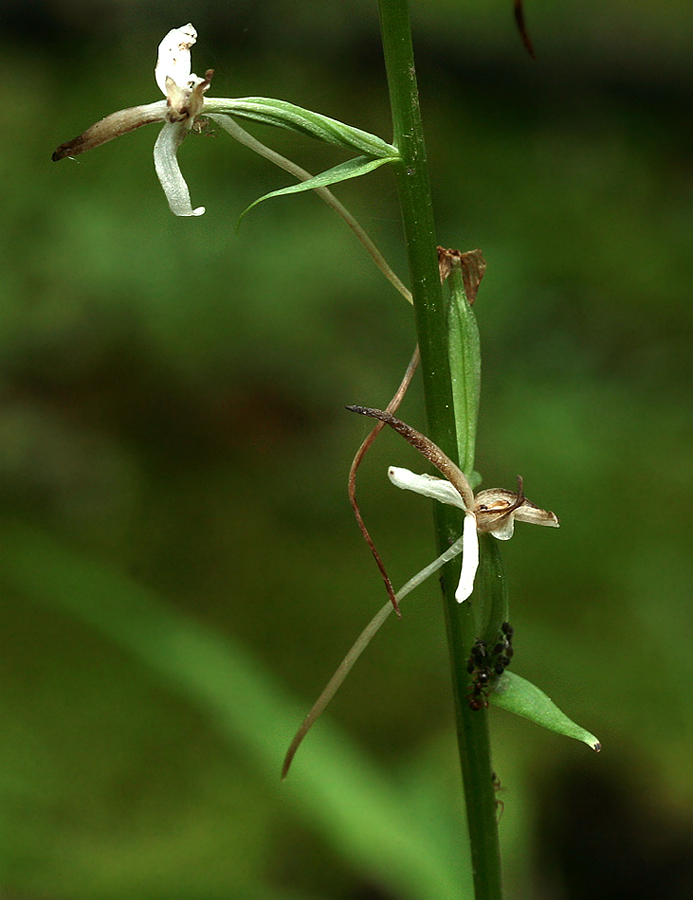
{"type": "Point", "coordinates": [184, 102]}
{"type": "Point", "coordinates": [493, 511]}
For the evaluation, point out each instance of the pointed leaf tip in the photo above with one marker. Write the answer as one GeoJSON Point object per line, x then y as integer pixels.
{"type": "Point", "coordinates": [520, 696]}
{"type": "Point", "coordinates": [352, 168]}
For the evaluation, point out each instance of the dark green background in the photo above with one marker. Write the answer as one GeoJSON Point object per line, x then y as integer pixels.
{"type": "Point", "coordinates": [172, 411]}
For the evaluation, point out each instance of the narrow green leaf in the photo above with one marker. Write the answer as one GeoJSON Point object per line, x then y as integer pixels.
{"type": "Point", "coordinates": [281, 114]}
{"type": "Point", "coordinates": [525, 699]}
{"type": "Point", "coordinates": [352, 168]}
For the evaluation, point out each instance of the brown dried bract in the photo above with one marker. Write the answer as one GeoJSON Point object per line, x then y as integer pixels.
{"type": "Point", "coordinates": [472, 264]}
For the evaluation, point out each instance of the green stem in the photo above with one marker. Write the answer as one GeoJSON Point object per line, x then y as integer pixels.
{"type": "Point", "coordinates": [417, 214]}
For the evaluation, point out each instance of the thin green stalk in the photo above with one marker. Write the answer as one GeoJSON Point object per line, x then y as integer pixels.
{"type": "Point", "coordinates": [417, 214]}
{"type": "Point", "coordinates": [243, 137]}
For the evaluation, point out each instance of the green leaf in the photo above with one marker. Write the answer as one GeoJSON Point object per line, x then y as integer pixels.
{"type": "Point", "coordinates": [525, 699]}
{"type": "Point", "coordinates": [352, 168]}
{"type": "Point", "coordinates": [281, 114]}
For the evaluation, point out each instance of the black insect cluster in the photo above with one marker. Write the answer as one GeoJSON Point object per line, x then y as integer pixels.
{"type": "Point", "coordinates": [485, 664]}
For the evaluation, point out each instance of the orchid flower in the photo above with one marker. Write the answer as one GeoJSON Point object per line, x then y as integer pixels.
{"type": "Point", "coordinates": [184, 102]}
{"type": "Point", "coordinates": [493, 511]}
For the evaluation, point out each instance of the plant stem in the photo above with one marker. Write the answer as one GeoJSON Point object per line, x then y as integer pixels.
{"type": "Point", "coordinates": [417, 214]}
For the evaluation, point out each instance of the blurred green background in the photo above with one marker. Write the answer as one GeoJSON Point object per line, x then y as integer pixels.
{"type": "Point", "coordinates": [179, 567]}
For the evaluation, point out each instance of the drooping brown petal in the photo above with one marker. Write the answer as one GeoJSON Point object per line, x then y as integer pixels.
{"type": "Point", "coordinates": [427, 448]}
{"type": "Point", "coordinates": [360, 453]}
{"type": "Point", "coordinates": [112, 127]}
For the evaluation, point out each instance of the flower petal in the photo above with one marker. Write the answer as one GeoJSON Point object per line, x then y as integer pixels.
{"type": "Point", "coordinates": [113, 126]}
{"type": "Point", "coordinates": [168, 170]}
{"type": "Point", "coordinates": [470, 559]}
{"type": "Point", "coordinates": [186, 102]}
{"type": "Point", "coordinates": [173, 60]}
{"type": "Point", "coordinates": [528, 512]}
{"type": "Point", "coordinates": [506, 528]}
{"type": "Point", "coordinates": [428, 485]}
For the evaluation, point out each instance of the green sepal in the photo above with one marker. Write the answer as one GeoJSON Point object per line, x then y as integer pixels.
{"type": "Point", "coordinates": [281, 114]}
{"type": "Point", "coordinates": [464, 354]}
{"type": "Point", "coordinates": [520, 696]}
{"type": "Point", "coordinates": [352, 168]}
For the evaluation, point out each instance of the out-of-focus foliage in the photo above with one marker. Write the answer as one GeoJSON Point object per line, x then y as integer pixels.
{"type": "Point", "coordinates": [172, 412]}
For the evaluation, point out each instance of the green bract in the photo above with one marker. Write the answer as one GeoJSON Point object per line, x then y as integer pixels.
{"type": "Point", "coordinates": [464, 353]}
{"type": "Point", "coordinates": [525, 699]}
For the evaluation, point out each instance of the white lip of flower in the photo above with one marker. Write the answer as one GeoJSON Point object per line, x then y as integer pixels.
{"type": "Point", "coordinates": [493, 511]}
{"type": "Point", "coordinates": [184, 93]}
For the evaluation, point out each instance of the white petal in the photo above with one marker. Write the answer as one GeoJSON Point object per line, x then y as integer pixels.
{"type": "Point", "coordinates": [168, 170]}
{"type": "Point", "coordinates": [428, 485]}
{"type": "Point", "coordinates": [174, 57]}
{"type": "Point", "coordinates": [506, 530]}
{"type": "Point", "coordinates": [470, 559]}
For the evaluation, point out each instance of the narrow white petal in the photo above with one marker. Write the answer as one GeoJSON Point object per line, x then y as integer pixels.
{"type": "Point", "coordinates": [470, 559]}
{"type": "Point", "coordinates": [428, 485]}
{"type": "Point", "coordinates": [168, 170]}
{"type": "Point", "coordinates": [173, 60]}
